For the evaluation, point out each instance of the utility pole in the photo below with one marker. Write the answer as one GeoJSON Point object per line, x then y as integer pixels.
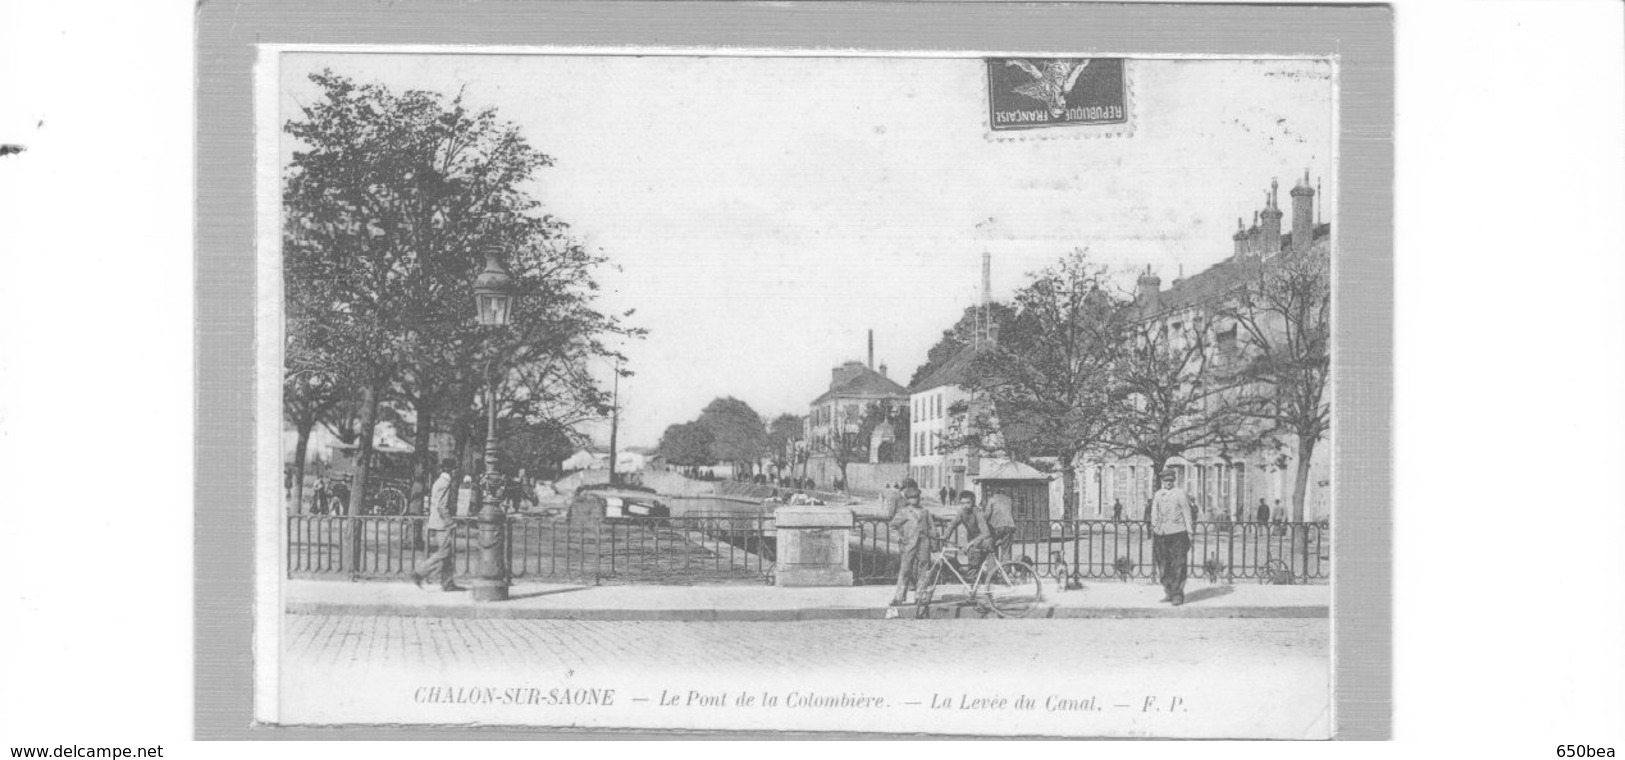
{"type": "Point", "coordinates": [614, 422]}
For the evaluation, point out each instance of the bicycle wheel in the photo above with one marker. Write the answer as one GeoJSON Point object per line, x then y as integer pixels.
{"type": "Point", "coordinates": [391, 502]}
{"type": "Point", "coordinates": [1014, 590]}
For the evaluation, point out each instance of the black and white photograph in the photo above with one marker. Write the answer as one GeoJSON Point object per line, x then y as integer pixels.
{"type": "Point", "coordinates": [873, 393]}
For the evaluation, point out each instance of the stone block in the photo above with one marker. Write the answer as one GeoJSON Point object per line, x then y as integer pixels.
{"type": "Point", "coordinates": [812, 546]}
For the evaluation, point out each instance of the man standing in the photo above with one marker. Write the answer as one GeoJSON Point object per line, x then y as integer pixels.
{"type": "Point", "coordinates": [891, 500]}
{"type": "Point", "coordinates": [1171, 528]}
{"type": "Point", "coordinates": [1001, 519]}
{"type": "Point", "coordinates": [1263, 510]}
{"type": "Point", "coordinates": [1117, 510]}
{"type": "Point", "coordinates": [913, 529]}
{"type": "Point", "coordinates": [440, 527]}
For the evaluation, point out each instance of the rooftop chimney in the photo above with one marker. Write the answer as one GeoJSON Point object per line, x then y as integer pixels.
{"type": "Point", "coordinates": [1272, 221]}
{"type": "Point", "coordinates": [1303, 215]}
{"type": "Point", "coordinates": [1148, 292]}
{"type": "Point", "coordinates": [882, 369]}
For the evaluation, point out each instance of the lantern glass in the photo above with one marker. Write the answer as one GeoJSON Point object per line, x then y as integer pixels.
{"type": "Point", "coordinates": [494, 308]}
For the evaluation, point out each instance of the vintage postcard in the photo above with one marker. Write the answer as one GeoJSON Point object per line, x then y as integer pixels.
{"type": "Point", "coordinates": [764, 390]}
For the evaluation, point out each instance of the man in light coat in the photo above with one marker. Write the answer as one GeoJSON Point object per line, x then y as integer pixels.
{"type": "Point", "coordinates": [1171, 527]}
{"type": "Point", "coordinates": [441, 530]}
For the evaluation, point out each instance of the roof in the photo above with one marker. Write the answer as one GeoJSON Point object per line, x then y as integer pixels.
{"type": "Point", "coordinates": [1012, 471]}
{"type": "Point", "coordinates": [1221, 278]}
{"type": "Point", "coordinates": [864, 384]}
{"type": "Point", "coordinates": [952, 372]}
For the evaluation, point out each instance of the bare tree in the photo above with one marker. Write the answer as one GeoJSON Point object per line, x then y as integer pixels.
{"type": "Point", "coordinates": [848, 438]}
{"type": "Point", "coordinates": [1169, 397]}
{"type": "Point", "coordinates": [1282, 357]}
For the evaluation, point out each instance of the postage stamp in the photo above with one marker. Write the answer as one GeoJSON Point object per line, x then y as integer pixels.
{"type": "Point", "coordinates": [1040, 93]}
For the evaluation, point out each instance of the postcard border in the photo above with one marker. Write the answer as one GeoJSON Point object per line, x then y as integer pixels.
{"type": "Point", "coordinates": [1359, 37]}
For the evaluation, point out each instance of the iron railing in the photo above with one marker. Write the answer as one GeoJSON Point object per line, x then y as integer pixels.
{"type": "Point", "coordinates": [686, 549]}
{"type": "Point", "coordinates": [1121, 550]}
{"type": "Point", "coordinates": [1220, 551]}
{"type": "Point", "coordinates": [735, 547]}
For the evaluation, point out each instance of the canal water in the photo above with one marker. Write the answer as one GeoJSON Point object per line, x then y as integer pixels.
{"type": "Point", "coordinates": [707, 505]}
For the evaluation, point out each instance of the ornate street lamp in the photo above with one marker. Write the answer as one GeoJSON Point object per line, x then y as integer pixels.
{"type": "Point", "coordinates": [493, 291]}
{"type": "Point", "coordinates": [493, 300]}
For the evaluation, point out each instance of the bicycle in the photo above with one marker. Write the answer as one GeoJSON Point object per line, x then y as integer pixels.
{"type": "Point", "coordinates": [1007, 589]}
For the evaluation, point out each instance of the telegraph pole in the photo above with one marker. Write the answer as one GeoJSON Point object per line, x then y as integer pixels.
{"type": "Point", "coordinates": [614, 422]}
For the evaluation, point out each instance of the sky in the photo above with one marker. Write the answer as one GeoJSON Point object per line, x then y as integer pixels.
{"type": "Point", "coordinates": [763, 213]}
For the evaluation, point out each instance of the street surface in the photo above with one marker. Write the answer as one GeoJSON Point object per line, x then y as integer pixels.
{"type": "Point", "coordinates": [1241, 677]}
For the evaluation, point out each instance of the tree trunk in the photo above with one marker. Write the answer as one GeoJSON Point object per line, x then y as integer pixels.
{"type": "Point", "coordinates": [459, 448]}
{"type": "Point", "coordinates": [299, 451]}
{"type": "Point", "coordinates": [422, 439]}
{"type": "Point", "coordinates": [1157, 466]}
{"type": "Point", "coordinates": [350, 537]}
{"type": "Point", "coordinates": [1069, 489]}
{"type": "Point", "coordinates": [1306, 449]}
{"type": "Point", "coordinates": [363, 462]}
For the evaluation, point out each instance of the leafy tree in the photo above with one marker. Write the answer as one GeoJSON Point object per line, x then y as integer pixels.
{"type": "Point", "coordinates": [1042, 390]}
{"type": "Point", "coordinates": [536, 446]}
{"type": "Point", "coordinates": [309, 395]}
{"type": "Point", "coordinates": [687, 444]}
{"type": "Point", "coordinates": [390, 201]}
{"type": "Point", "coordinates": [737, 433]}
{"type": "Point", "coordinates": [783, 433]}
{"type": "Point", "coordinates": [959, 337]}
{"type": "Point", "coordinates": [1282, 356]}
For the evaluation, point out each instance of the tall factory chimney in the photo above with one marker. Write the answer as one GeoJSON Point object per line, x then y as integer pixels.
{"type": "Point", "coordinates": [871, 349]}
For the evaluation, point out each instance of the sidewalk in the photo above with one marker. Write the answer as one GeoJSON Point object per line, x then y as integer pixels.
{"type": "Point", "coordinates": [1098, 599]}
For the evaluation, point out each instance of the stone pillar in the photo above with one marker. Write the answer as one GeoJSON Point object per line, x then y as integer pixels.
{"type": "Point", "coordinates": [812, 545]}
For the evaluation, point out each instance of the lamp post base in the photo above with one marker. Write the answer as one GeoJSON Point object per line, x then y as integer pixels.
{"type": "Point", "coordinates": [482, 590]}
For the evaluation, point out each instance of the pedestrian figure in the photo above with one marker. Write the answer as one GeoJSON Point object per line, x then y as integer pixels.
{"type": "Point", "coordinates": [1117, 510]}
{"type": "Point", "coordinates": [418, 504]}
{"type": "Point", "coordinates": [1171, 528]}
{"type": "Point", "coordinates": [912, 525]}
{"type": "Point", "coordinates": [1000, 512]}
{"type": "Point", "coordinates": [441, 530]}
{"type": "Point", "coordinates": [891, 500]}
{"type": "Point", "coordinates": [978, 534]}
{"type": "Point", "coordinates": [1263, 510]}
{"type": "Point", "coordinates": [942, 495]}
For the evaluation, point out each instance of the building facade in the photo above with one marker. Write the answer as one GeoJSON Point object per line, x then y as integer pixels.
{"type": "Point", "coordinates": [1224, 480]}
{"type": "Point", "coordinates": [930, 418]}
{"type": "Point", "coordinates": [835, 420]}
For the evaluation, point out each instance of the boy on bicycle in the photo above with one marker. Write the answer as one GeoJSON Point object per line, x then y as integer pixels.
{"type": "Point", "coordinates": [978, 534]}
{"type": "Point", "coordinates": [1001, 520]}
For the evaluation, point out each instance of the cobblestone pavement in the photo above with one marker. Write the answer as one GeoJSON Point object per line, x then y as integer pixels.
{"type": "Point", "coordinates": [338, 641]}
